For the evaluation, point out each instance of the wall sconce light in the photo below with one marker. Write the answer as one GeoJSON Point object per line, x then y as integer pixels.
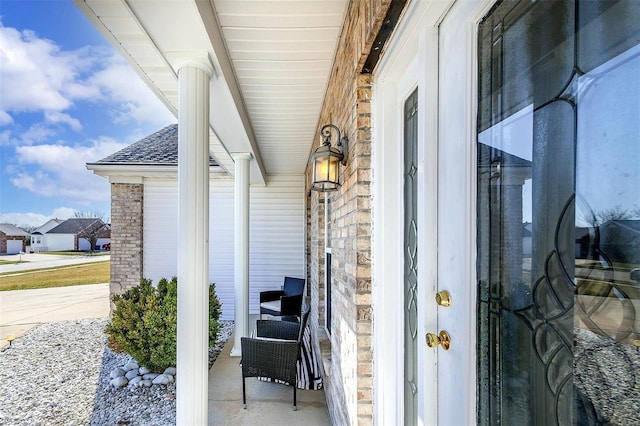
{"type": "Point", "coordinates": [326, 160]}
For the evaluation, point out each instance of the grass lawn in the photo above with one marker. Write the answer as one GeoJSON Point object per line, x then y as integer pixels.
{"type": "Point", "coordinates": [76, 253]}
{"type": "Point", "coordinates": [87, 273]}
{"type": "Point", "coordinates": [12, 262]}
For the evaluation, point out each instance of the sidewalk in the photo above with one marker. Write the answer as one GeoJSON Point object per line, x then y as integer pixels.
{"type": "Point", "coordinates": [38, 260]}
{"type": "Point", "coordinates": [21, 310]}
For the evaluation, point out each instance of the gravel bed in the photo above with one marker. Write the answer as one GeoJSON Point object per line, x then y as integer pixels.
{"type": "Point", "coordinates": [58, 374]}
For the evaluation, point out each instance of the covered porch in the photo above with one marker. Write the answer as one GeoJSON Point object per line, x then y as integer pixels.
{"type": "Point", "coordinates": [267, 403]}
{"type": "Point", "coordinates": [253, 84]}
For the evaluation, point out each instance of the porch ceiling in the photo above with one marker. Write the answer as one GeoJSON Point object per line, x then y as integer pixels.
{"type": "Point", "coordinates": [272, 61]}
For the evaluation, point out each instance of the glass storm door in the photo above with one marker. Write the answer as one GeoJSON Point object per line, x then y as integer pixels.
{"type": "Point", "coordinates": [410, 258]}
{"type": "Point", "coordinates": [558, 199]}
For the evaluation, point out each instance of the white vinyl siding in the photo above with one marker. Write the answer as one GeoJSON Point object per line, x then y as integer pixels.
{"type": "Point", "coordinates": [60, 242]}
{"type": "Point", "coordinates": [160, 230]}
{"type": "Point", "coordinates": [276, 235]}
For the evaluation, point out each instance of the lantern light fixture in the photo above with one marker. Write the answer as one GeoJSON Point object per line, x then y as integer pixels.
{"type": "Point", "coordinates": [326, 160]}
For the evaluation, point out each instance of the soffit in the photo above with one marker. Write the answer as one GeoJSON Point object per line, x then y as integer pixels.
{"type": "Point", "coordinates": [273, 60]}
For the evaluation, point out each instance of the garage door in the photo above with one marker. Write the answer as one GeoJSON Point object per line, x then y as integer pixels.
{"type": "Point", "coordinates": [14, 246]}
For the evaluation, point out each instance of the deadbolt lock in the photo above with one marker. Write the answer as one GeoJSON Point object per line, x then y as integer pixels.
{"type": "Point", "coordinates": [442, 338]}
{"type": "Point", "coordinates": [443, 298]}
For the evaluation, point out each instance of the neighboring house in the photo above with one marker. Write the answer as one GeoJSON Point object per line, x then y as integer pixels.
{"type": "Point", "coordinates": [144, 213]}
{"type": "Point", "coordinates": [12, 239]}
{"type": "Point", "coordinates": [38, 238]}
{"type": "Point", "coordinates": [75, 234]}
{"type": "Point", "coordinates": [415, 261]}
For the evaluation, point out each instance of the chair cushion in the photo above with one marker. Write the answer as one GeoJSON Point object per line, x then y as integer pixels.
{"type": "Point", "coordinates": [274, 305]}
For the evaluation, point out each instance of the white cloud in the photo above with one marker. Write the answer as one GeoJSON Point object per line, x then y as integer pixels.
{"type": "Point", "coordinates": [36, 219]}
{"type": "Point", "coordinates": [63, 213]}
{"type": "Point", "coordinates": [37, 75]}
{"type": "Point", "coordinates": [135, 101]}
{"type": "Point", "coordinates": [33, 72]}
{"type": "Point", "coordinates": [60, 170]}
{"type": "Point", "coordinates": [60, 117]}
{"type": "Point", "coordinates": [36, 133]}
{"type": "Point", "coordinates": [5, 118]}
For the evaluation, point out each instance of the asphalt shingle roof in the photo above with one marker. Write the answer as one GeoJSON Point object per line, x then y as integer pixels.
{"type": "Point", "coordinates": [74, 226]}
{"type": "Point", "coordinates": [160, 148]}
{"type": "Point", "coordinates": [12, 230]}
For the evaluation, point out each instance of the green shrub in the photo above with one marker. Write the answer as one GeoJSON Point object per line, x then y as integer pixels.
{"type": "Point", "coordinates": [144, 322]}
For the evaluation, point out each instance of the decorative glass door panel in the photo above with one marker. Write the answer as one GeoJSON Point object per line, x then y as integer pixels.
{"type": "Point", "coordinates": [559, 213]}
{"type": "Point", "coordinates": [410, 258]}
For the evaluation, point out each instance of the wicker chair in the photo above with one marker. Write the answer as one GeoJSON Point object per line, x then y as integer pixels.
{"type": "Point", "coordinates": [285, 302]}
{"type": "Point", "coordinates": [273, 353]}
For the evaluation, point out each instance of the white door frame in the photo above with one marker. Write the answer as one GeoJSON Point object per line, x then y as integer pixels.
{"type": "Point", "coordinates": [405, 67]}
{"type": "Point", "coordinates": [413, 60]}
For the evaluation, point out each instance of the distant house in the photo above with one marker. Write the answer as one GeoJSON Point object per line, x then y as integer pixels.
{"type": "Point", "coordinates": [38, 241]}
{"type": "Point", "coordinates": [144, 214]}
{"type": "Point", "coordinates": [12, 239]}
{"type": "Point", "coordinates": [72, 234]}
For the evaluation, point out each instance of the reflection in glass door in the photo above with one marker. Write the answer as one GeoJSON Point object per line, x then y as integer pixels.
{"type": "Point", "coordinates": [559, 213]}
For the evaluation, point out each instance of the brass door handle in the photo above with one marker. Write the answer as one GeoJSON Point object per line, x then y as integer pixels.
{"type": "Point", "coordinates": [441, 338]}
{"type": "Point", "coordinates": [443, 298]}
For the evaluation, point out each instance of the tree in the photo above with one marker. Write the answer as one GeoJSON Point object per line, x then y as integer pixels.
{"type": "Point", "coordinates": [99, 228]}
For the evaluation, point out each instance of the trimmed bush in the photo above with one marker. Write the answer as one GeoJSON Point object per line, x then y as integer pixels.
{"type": "Point", "coordinates": [144, 322]}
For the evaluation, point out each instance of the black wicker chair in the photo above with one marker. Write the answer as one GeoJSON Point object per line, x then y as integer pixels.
{"type": "Point", "coordinates": [285, 302]}
{"type": "Point", "coordinates": [273, 353]}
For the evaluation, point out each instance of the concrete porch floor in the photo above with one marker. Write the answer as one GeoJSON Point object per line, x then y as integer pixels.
{"type": "Point", "coordinates": [267, 403]}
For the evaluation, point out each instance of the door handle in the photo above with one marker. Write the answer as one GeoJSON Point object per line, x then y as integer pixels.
{"type": "Point", "coordinates": [442, 338]}
{"type": "Point", "coordinates": [443, 298]}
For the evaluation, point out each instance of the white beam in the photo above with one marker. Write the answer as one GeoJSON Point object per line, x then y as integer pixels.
{"type": "Point", "coordinates": [241, 232]}
{"type": "Point", "coordinates": [193, 244]}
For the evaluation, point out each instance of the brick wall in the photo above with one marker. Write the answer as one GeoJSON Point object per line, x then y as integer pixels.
{"type": "Point", "coordinates": [4, 238]}
{"type": "Point", "coordinates": [348, 353]}
{"type": "Point", "coordinates": [126, 236]}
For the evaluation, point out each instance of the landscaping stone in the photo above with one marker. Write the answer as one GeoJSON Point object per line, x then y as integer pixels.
{"type": "Point", "coordinates": [131, 374]}
{"type": "Point", "coordinates": [135, 381]}
{"type": "Point", "coordinates": [86, 392]}
{"type": "Point", "coordinates": [119, 381]}
{"type": "Point", "coordinates": [131, 366]}
{"type": "Point", "coordinates": [162, 379]}
{"type": "Point", "coordinates": [117, 373]}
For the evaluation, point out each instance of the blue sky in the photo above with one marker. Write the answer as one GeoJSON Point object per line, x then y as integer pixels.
{"type": "Point", "coordinates": [67, 97]}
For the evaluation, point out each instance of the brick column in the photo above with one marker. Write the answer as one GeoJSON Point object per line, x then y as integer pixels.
{"type": "Point", "coordinates": [126, 236]}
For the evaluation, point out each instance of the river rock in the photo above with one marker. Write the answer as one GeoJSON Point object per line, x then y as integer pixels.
{"type": "Point", "coordinates": [162, 379]}
{"type": "Point", "coordinates": [119, 381]}
{"type": "Point", "coordinates": [117, 372]}
{"type": "Point", "coordinates": [135, 381]}
{"type": "Point", "coordinates": [131, 366]}
{"type": "Point", "coordinates": [131, 374]}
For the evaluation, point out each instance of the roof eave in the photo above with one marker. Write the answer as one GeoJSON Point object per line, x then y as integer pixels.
{"type": "Point", "coordinates": [136, 173]}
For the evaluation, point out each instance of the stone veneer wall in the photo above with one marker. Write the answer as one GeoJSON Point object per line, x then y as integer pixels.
{"type": "Point", "coordinates": [348, 353]}
{"type": "Point", "coordinates": [126, 236]}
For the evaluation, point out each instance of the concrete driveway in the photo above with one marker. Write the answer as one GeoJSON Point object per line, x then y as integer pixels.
{"type": "Point", "coordinates": [21, 310]}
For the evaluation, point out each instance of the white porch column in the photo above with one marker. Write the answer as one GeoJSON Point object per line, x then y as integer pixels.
{"type": "Point", "coordinates": [193, 241]}
{"type": "Point", "coordinates": [241, 236]}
